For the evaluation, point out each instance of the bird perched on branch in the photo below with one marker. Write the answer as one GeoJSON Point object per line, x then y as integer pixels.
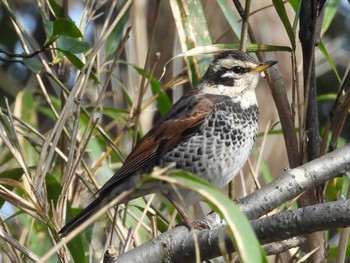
{"type": "Point", "coordinates": [209, 132]}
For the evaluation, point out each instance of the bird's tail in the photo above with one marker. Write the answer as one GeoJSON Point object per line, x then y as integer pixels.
{"type": "Point", "coordinates": [106, 194]}
{"type": "Point", "coordinates": [82, 216]}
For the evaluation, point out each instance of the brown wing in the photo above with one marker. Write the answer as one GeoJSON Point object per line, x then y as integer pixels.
{"type": "Point", "coordinates": [182, 120]}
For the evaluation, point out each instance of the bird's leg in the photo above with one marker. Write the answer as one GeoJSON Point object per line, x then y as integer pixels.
{"type": "Point", "coordinates": [186, 220]}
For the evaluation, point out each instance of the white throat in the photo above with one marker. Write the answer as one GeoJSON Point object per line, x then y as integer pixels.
{"type": "Point", "coordinates": [246, 96]}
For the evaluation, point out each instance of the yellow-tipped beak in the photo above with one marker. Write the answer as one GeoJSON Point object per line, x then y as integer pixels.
{"type": "Point", "coordinates": [264, 66]}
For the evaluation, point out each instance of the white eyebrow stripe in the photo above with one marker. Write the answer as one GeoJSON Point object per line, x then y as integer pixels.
{"type": "Point", "coordinates": [229, 74]}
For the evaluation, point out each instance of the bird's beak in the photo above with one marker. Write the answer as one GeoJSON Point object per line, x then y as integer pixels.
{"type": "Point", "coordinates": [264, 66]}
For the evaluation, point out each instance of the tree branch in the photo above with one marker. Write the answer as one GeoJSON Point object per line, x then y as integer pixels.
{"type": "Point", "coordinates": [279, 94]}
{"type": "Point", "coordinates": [178, 244]}
{"type": "Point", "coordinates": [295, 181]}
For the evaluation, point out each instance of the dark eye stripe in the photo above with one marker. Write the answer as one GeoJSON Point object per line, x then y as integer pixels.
{"type": "Point", "coordinates": [217, 77]}
{"type": "Point", "coordinates": [240, 70]}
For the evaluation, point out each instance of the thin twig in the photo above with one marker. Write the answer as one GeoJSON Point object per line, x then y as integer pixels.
{"type": "Point", "coordinates": [136, 113]}
{"type": "Point", "coordinates": [245, 25]}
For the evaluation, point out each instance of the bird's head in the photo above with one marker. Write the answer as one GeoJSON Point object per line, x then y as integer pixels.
{"type": "Point", "coordinates": [233, 73]}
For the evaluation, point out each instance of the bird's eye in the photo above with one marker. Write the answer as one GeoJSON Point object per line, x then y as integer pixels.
{"type": "Point", "coordinates": [237, 69]}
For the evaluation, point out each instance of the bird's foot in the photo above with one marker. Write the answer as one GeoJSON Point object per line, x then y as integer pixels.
{"type": "Point", "coordinates": [197, 225]}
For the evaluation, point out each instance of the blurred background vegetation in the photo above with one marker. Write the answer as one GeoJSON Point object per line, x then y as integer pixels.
{"type": "Point", "coordinates": [75, 116]}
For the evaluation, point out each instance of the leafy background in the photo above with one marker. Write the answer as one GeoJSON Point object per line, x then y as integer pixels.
{"type": "Point", "coordinates": [93, 100]}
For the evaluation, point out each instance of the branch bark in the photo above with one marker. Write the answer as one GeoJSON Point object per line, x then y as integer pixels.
{"type": "Point", "coordinates": [178, 244]}
{"type": "Point", "coordinates": [295, 181]}
{"type": "Point", "coordinates": [279, 94]}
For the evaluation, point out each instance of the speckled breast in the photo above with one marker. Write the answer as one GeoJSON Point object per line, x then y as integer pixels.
{"type": "Point", "coordinates": [220, 148]}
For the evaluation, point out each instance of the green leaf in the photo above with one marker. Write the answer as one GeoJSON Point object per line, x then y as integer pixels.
{"type": "Point", "coordinates": [296, 18]}
{"type": "Point", "coordinates": [76, 245]}
{"type": "Point", "coordinates": [266, 173]}
{"type": "Point", "coordinates": [332, 253]}
{"type": "Point", "coordinates": [193, 31]}
{"type": "Point", "coordinates": [127, 95]}
{"type": "Point", "coordinates": [327, 96]}
{"type": "Point", "coordinates": [116, 35]}
{"type": "Point", "coordinates": [163, 101]}
{"type": "Point", "coordinates": [57, 9]}
{"type": "Point", "coordinates": [14, 174]}
{"type": "Point", "coordinates": [10, 129]}
{"type": "Point", "coordinates": [65, 27]}
{"type": "Point", "coordinates": [250, 48]}
{"type": "Point", "coordinates": [42, 107]}
{"type": "Point", "coordinates": [267, 48]}
{"type": "Point", "coordinates": [113, 112]}
{"type": "Point", "coordinates": [239, 228]}
{"type": "Point", "coordinates": [345, 185]}
{"type": "Point", "coordinates": [334, 188]}
{"type": "Point", "coordinates": [27, 111]}
{"type": "Point", "coordinates": [73, 59]}
{"type": "Point", "coordinates": [332, 7]}
{"type": "Point", "coordinates": [294, 4]}
{"type": "Point", "coordinates": [281, 11]}
{"type": "Point", "coordinates": [329, 59]}
{"type": "Point", "coordinates": [48, 27]}
{"type": "Point", "coordinates": [72, 45]}
{"type": "Point", "coordinates": [230, 18]}
{"type": "Point", "coordinates": [33, 64]}
{"type": "Point", "coordinates": [77, 63]}
{"type": "Point", "coordinates": [54, 189]}
{"type": "Point", "coordinates": [121, 115]}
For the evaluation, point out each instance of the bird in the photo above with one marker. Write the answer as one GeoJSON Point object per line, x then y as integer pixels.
{"type": "Point", "coordinates": [209, 132]}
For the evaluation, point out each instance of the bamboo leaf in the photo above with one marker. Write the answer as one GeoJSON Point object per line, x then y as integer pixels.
{"type": "Point", "coordinates": [75, 246]}
{"type": "Point", "coordinates": [329, 60]}
{"type": "Point", "coordinates": [116, 35]}
{"type": "Point", "coordinates": [294, 4]}
{"type": "Point", "coordinates": [212, 49]}
{"type": "Point", "coordinates": [26, 109]}
{"type": "Point", "coordinates": [193, 31]}
{"type": "Point", "coordinates": [332, 7]}
{"type": "Point", "coordinates": [77, 63]}
{"type": "Point", "coordinates": [231, 19]}
{"type": "Point", "coordinates": [57, 9]}
{"type": "Point", "coordinates": [14, 174]}
{"type": "Point", "coordinates": [281, 11]}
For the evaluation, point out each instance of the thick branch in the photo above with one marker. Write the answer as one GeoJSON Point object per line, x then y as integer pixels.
{"type": "Point", "coordinates": [178, 244]}
{"type": "Point", "coordinates": [279, 94]}
{"type": "Point", "coordinates": [295, 181]}
{"type": "Point", "coordinates": [302, 221]}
